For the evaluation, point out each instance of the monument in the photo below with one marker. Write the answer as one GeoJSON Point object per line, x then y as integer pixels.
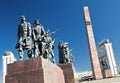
{"type": "Point", "coordinates": [92, 47]}
{"type": "Point", "coordinates": [40, 65]}
{"type": "Point", "coordinates": [65, 55]}
{"type": "Point", "coordinates": [34, 40]}
{"type": "Point", "coordinates": [107, 59]}
{"type": "Point", "coordinates": [65, 62]}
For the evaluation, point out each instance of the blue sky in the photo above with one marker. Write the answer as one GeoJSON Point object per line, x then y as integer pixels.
{"type": "Point", "coordinates": [66, 15]}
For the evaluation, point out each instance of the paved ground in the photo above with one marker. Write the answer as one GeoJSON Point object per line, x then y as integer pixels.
{"type": "Point", "coordinates": [108, 80]}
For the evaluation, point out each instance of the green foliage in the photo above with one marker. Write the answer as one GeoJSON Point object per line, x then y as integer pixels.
{"type": "Point", "coordinates": [119, 72]}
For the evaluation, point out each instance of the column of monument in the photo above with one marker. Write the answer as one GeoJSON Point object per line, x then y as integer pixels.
{"type": "Point", "coordinates": [92, 47]}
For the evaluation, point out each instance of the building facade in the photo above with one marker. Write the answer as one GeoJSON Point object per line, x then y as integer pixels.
{"type": "Point", "coordinates": [81, 76]}
{"type": "Point", "coordinates": [106, 57]}
{"type": "Point", "coordinates": [7, 58]}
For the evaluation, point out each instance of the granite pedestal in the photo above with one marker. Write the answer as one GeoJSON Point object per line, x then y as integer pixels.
{"type": "Point", "coordinates": [36, 70]}
{"type": "Point", "coordinates": [68, 72]}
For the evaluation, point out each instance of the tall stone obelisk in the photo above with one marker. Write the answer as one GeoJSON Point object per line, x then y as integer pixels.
{"type": "Point", "coordinates": [92, 46]}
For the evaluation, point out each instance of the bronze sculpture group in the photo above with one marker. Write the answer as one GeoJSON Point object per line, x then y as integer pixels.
{"type": "Point", "coordinates": [39, 43]}
{"type": "Point", "coordinates": [64, 53]}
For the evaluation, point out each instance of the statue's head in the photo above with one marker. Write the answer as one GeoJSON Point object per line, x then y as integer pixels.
{"type": "Point", "coordinates": [66, 43]}
{"type": "Point", "coordinates": [47, 31]}
{"type": "Point", "coordinates": [37, 22]}
{"type": "Point", "coordinates": [23, 18]}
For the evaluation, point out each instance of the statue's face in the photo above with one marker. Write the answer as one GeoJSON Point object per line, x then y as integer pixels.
{"type": "Point", "coordinates": [23, 18]}
{"type": "Point", "coordinates": [37, 22]}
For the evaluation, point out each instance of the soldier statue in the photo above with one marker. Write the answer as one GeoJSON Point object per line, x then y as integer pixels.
{"type": "Point", "coordinates": [24, 38]}
{"type": "Point", "coordinates": [37, 33]}
{"type": "Point", "coordinates": [43, 43]}
{"type": "Point", "coordinates": [65, 55]}
{"type": "Point", "coordinates": [49, 46]}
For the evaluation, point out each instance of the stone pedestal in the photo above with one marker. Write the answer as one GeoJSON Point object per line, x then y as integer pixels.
{"type": "Point", "coordinates": [107, 73]}
{"type": "Point", "coordinates": [68, 72]}
{"type": "Point", "coordinates": [35, 70]}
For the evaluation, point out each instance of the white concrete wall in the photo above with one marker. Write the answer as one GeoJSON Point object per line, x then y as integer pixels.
{"type": "Point", "coordinates": [111, 59]}
{"type": "Point", "coordinates": [79, 75]}
{"type": "Point", "coordinates": [6, 59]}
{"type": "Point", "coordinates": [106, 51]}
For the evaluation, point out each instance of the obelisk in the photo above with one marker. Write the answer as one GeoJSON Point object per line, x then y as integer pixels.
{"type": "Point", "coordinates": [97, 74]}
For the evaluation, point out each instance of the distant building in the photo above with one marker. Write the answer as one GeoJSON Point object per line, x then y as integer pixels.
{"type": "Point", "coordinates": [7, 58]}
{"type": "Point", "coordinates": [106, 57]}
{"type": "Point", "coordinates": [86, 75]}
